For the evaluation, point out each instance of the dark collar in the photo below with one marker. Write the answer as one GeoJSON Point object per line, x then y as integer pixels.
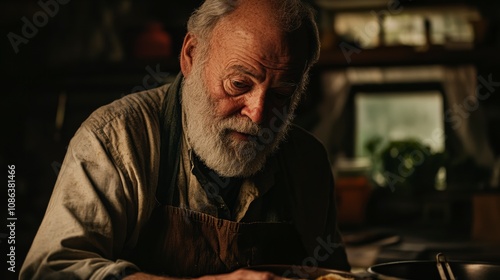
{"type": "Point", "coordinates": [170, 141]}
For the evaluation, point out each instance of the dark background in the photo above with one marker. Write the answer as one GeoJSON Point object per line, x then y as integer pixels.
{"type": "Point", "coordinates": [64, 63]}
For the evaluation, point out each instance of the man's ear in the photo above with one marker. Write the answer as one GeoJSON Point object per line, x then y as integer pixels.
{"type": "Point", "coordinates": [187, 53]}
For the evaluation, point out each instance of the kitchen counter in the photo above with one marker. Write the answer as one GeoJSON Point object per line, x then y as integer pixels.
{"type": "Point", "coordinates": [369, 246]}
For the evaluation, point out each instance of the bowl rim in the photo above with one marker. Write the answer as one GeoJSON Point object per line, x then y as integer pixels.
{"type": "Point", "coordinates": [320, 270]}
{"type": "Point", "coordinates": [393, 263]}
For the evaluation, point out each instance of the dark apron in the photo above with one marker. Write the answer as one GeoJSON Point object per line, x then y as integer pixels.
{"type": "Point", "coordinates": [183, 243]}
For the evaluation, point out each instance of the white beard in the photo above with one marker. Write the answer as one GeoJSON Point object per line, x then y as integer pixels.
{"type": "Point", "coordinates": [208, 134]}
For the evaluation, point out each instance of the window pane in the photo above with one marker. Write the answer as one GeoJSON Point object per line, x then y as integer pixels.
{"type": "Point", "coordinates": [399, 116]}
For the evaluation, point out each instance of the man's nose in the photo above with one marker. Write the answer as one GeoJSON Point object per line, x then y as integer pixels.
{"type": "Point", "coordinates": [254, 106]}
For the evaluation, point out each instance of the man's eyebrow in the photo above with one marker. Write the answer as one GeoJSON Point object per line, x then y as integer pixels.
{"type": "Point", "coordinates": [245, 70]}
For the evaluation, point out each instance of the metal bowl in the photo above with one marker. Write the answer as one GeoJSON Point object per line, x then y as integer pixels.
{"type": "Point", "coordinates": [301, 272]}
{"type": "Point", "coordinates": [413, 270]}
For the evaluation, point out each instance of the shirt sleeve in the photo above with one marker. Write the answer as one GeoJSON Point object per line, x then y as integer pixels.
{"type": "Point", "coordinates": [328, 247]}
{"type": "Point", "coordinates": [89, 218]}
{"type": "Point", "coordinates": [315, 206]}
{"type": "Point", "coordinates": [332, 241]}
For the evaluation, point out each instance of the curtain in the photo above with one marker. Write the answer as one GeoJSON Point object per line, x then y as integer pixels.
{"type": "Point", "coordinates": [462, 93]}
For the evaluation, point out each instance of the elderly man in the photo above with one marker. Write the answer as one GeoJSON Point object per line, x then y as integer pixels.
{"type": "Point", "coordinates": [204, 176]}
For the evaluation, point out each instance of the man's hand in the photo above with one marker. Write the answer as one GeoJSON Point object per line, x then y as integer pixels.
{"type": "Point", "coordinates": [240, 274]}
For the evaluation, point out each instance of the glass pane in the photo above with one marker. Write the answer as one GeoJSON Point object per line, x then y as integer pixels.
{"type": "Point", "coordinates": [399, 116]}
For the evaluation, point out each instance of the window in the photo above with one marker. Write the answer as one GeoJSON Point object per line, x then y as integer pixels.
{"type": "Point", "coordinates": [407, 26]}
{"type": "Point", "coordinates": [398, 116]}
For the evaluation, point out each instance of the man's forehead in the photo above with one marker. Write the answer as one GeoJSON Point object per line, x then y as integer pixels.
{"type": "Point", "coordinates": [287, 76]}
{"type": "Point", "coordinates": [265, 9]}
{"type": "Point", "coordinates": [259, 36]}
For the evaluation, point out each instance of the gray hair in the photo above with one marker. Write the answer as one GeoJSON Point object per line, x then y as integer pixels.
{"type": "Point", "coordinates": [290, 15]}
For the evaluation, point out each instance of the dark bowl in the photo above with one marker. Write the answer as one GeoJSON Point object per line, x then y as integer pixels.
{"type": "Point", "coordinates": [301, 272]}
{"type": "Point", "coordinates": [418, 270]}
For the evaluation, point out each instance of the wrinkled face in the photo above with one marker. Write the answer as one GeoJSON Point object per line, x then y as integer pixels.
{"type": "Point", "coordinates": [238, 103]}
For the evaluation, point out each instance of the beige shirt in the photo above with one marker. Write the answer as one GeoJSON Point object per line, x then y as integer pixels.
{"type": "Point", "coordinates": [106, 190]}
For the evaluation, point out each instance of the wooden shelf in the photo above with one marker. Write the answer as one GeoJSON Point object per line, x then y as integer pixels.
{"type": "Point", "coordinates": [389, 56]}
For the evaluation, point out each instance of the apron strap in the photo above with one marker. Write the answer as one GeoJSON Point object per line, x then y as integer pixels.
{"type": "Point", "coordinates": [170, 147]}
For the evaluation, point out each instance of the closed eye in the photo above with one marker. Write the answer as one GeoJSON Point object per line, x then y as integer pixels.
{"type": "Point", "coordinates": [237, 86]}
